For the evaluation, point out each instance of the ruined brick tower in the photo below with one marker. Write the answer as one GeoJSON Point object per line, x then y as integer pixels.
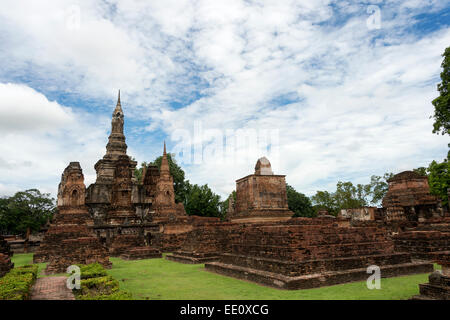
{"type": "Point", "coordinates": [409, 199]}
{"type": "Point", "coordinates": [68, 240]}
{"type": "Point", "coordinates": [261, 196]}
{"type": "Point", "coordinates": [165, 207]}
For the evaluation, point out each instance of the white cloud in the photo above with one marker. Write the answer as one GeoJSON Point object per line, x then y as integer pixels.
{"type": "Point", "coordinates": [349, 102]}
{"type": "Point", "coordinates": [40, 138]}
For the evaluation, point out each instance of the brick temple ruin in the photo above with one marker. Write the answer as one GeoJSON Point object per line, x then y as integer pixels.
{"type": "Point", "coordinates": [68, 240]}
{"type": "Point", "coordinates": [116, 215]}
{"type": "Point", "coordinates": [5, 257]}
{"type": "Point", "coordinates": [261, 196]}
{"type": "Point", "coordinates": [409, 201]}
{"type": "Point", "coordinates": [259, 241]}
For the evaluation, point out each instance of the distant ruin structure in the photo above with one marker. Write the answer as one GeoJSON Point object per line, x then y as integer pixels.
{"type": "Point", "coordinates": [261, 196]}
{"type": "Point", "coordinates": [68, 240]}
{"type": "Point", "coordinates": [409, 199]}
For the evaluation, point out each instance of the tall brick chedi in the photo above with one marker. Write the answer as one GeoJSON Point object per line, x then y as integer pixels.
{"type": "Point", "coordinates": [68, 240]}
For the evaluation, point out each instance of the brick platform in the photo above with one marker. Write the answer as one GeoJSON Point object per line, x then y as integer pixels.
{"type": "Point", "coordinates": [308, 253]}
{"type": "Point", "coordinates": [141, 253]}
{"type": "Point", "coordinates": [51, 288]}
{"type": "Point", "coordinates": [422, 244]}
{"type": "Point", "coordinates": [209, 238]}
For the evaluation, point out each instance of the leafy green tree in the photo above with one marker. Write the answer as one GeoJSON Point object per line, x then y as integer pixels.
{"type": "Point", "coordinates": [299, 203]}
{"type": "Point", "coordinates": [439, 179]}
{"type": "Point", "coordinates": [26, 211]}
{"type": "Point", "coordinates": [377, 188]}
{"type": "Point", "coordinates": [348, 196]}
{"type": "Point", "coordinates": [324, 200]}
{"type": "Point", "coordinates": [201, 201]}
{"type": "Point", "coordinates": [442, 103]}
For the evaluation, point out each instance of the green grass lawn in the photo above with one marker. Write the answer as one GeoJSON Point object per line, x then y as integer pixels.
{"type": "Point", "coordinates": [160, 279]}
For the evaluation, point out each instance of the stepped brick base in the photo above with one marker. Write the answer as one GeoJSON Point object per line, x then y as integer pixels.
{"type": "Point", "coordinates": [313, 280]}
{"type": "Point", "coordinates": [193, 258]}
{"type": "Point", "coordinates": [205, 242]}
{"type": "Point", "coordinates": [308, 253]}
{"type": "Point", "coordinates": [68, 241]}
{"type": "Point", "coordinates": [422, 243]}
{"type": "Point", "coordinates": [85, 250]}
{"type": "Point", "coordinates": [125, 242]}
{"type": "Point", "coordinates": [141, 253]}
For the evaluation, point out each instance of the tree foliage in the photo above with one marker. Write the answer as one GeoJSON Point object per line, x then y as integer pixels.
{"type": "Point", "coordinates": [299, 203]}
{"type": "Point", "coordinates": [349, 196]}
{"type": "Point", "coordinates": [201, 201]}
{"type": "Point", "coordinates": [28, 209]}
{"type": "Point", "coordinates": [439, 179]}
{"type": "Point", "coordinates": [441, 104]}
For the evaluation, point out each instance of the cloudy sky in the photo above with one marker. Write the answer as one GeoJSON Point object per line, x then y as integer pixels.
{"type": "Point", "coordinates": [332, 90]}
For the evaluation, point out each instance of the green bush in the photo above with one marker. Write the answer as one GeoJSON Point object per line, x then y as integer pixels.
{"type": "Point", "coordinates": [17, 284]}
{"type": "Point", "coordinates": [97, 285]}
{"type": "Point", "coordinates": [119, 295]}
{"type": "Point", "coordinates": [94, 270]}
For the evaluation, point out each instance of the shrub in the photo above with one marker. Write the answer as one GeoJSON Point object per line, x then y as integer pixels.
{"type": "Point", "coordinates": [17, 284]}
{"type": "Point", "coordinates": [94, 270]}
{"type": "Point", "coordinates": [97, 285]}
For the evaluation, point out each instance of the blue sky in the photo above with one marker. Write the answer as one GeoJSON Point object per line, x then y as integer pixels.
{"type": "Point", "coordinates": [342, 89]}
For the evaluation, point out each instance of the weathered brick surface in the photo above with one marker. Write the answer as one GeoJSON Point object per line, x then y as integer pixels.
{"type": "Point", "coordinates": [141, 253]}
{"type": "Point", "coordinates": [208, 239]}
{"type": "Point", "coordinates": [409, 199]}
{"type": "Point", "coordinates": [304, 253]}
{"type": "Point", "coordinates": [5, 257]}
{"type": "Point", "coordinates": [125, 242]}
{"type": "Point", "coordinates": [68, 240]}
{"type": "Point", "coordinates": [261, 196]}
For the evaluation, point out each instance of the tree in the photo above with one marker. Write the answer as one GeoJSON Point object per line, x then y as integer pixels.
{"type": "Point", "coordinates": [377, 188]}
{"type": "Point", "coordinates": [299, 203]}
{"type": "Point", "coordinates": [439, 179]}
{"type": "Point", "coordinates": [324, 200]}
{"type": "Point", "coordinates": [441, 104]}
{"type": "Point", "coordinates": [348, 196]}
{"type": "Point", "coordinates": [26, 211]}
{"type": "Point", "coordinates": [201, 201]}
